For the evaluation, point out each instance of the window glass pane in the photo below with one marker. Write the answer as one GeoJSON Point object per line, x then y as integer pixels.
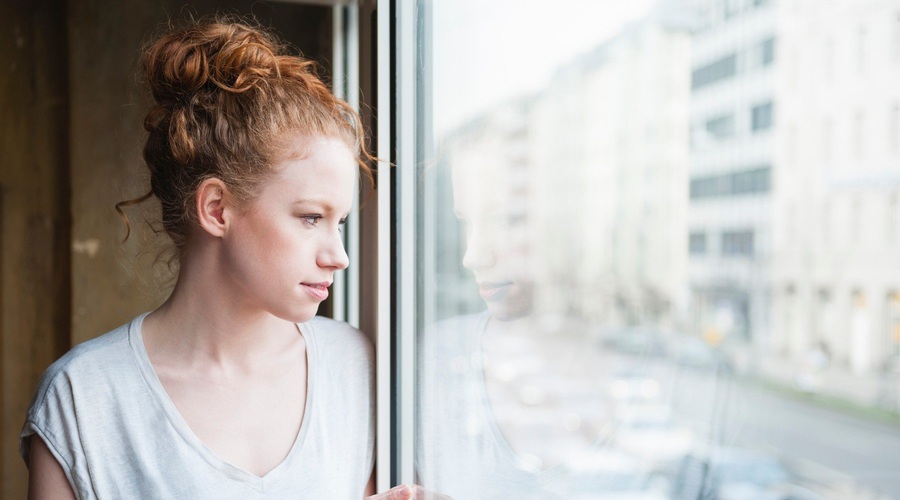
{"type": "Point", "coordinates": [625, 289]}
{"type": "Point", "coordinates": [761, 117]}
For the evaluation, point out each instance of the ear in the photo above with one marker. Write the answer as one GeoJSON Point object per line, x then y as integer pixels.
{"type": "Point", "coordinates": [210, 202]}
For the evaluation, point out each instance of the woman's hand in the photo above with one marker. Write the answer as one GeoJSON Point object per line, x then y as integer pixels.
{"type": "Point", "coordinates": [401, 492]}
{"type": "Point", "coordinates": [408, 492]}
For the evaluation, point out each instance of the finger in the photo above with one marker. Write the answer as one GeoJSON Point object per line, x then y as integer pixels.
{"type": "Point", "coordinates": [400, 492]}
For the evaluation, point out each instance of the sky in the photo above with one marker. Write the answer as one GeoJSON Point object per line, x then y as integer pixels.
{"type": "Point", "coordinates": [486, 51]}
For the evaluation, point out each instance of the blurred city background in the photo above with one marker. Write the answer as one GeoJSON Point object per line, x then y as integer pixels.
{"type": "Point", "coordinates": [709, 196]}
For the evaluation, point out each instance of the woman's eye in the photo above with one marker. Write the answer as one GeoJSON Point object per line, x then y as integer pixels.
{"type": "Point", "coordinates": [312, 220]}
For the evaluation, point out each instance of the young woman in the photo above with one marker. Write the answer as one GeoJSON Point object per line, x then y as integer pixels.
{"type": "Point", "coordinates": [231, 389]}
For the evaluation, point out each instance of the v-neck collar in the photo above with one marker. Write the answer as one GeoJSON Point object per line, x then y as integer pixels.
{"type": "Point", "coordinates": [135, 339]}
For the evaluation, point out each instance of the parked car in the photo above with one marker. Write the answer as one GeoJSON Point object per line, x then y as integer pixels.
{"type": "Point", "coordinates": [633, 384]}
{"type": "Point", "coordinates": [693, 352]}
{"type": "Point", "coordinates": [636, 341]}
{"type": "Point", "coordinates": [650, 433]}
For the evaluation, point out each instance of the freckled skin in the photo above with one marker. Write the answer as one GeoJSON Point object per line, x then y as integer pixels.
{"type": "Point", "coordinates": [290, 234]}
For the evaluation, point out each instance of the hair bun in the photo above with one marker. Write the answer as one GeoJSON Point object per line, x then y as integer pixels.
{"type": "Point", "coordinates": [233, 57]}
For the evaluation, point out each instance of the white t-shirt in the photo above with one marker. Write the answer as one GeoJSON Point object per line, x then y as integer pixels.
{"type": "Point", "coordinates": [108, 421]}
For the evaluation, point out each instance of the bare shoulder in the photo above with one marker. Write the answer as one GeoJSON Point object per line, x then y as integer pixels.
{"type": "Point", "coordinates": [46, 478]}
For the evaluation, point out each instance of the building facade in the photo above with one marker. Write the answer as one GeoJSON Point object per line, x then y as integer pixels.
{"type": "Point", "coordinates": [729, 237]}
{"type": "Point", "coordinates": [837, 195]}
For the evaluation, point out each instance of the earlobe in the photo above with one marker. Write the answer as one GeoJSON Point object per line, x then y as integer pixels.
{"type": "Point", "coordinates": [210, 200]}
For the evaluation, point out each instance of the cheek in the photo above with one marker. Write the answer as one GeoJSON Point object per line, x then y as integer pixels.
{"type": "Point", "coordinates": [264, 246]}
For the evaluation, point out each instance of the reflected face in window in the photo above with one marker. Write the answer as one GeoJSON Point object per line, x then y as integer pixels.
{"type": "Point", "coordinates": [498, 249]}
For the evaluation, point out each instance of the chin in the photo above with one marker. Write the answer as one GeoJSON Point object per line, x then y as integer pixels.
{"type": "Point", "coordinates": [509, 311]}
{"type": "Point", "coordinates": [299, 315]}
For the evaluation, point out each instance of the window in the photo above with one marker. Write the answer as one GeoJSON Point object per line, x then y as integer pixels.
{"type": "Point", "coordinates": [761, 117]}
{"type": "Point", "coordinates": [567, 305]}
{"type": "Point", "coordinates": [721, 126]}
{"type": "Point", "coordinates": [767, 51]}
{"type": "Point", "coordinates": [730, 8]}
{"type": "Point", "coordinates": [738, 183]}
{"type": "Point", "coordinates": [737, 243]}
{"type": "Point", "coordinates": [714, 72]}
{"type": "Point", "coordinates": [892, 306]}
{"type": "Point", "coordinates": [697, 243]}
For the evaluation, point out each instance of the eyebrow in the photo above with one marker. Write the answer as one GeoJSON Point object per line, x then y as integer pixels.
{"type": "Point", "coordinates": [322, 204]}
{"type": "Point", "coordinates": [312, 201]}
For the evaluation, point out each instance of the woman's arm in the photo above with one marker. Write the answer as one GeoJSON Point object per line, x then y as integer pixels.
{"type": "Point", "coordinates": [370, 488]}
{"type": "Point", "coordinates": [46, 479]}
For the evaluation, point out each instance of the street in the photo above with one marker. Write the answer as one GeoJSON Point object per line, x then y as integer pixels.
{"type": "Point", "coordinates": [827, 442]}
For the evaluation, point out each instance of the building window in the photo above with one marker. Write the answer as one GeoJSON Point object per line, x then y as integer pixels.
{"type": "Point", "coordinates": [714, 72]}
{"type": "Point", "coordinates": [737, 243]}
{"type": "Point", "coordinates": [761, 117]}
{"type": "Point", "coordinates": [730, 8]}
{"type": "Point", "coordinates": [721, 126]}
{"type": "Point", "coordinates": [893, 323]}
{"type": "Point", "coordinates": [697, 243]}
{"type": "Point", "coordinates": [767, 51]}
{"type": "Point", "coordinates": [751, 181]}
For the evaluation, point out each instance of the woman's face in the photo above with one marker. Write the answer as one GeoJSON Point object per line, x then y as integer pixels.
{"type": "Point", "coordinates": [498, 250]}
{"type": "Point", "coordinates": [283, 249]}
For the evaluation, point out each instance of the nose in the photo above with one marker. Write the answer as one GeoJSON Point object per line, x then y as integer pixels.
{"type": "Point", "coordinates": [333, 255]}
{"type": "Point", "coordinates": [479, 249]}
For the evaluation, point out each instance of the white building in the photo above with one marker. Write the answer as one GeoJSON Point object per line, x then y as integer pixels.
{"type": "Point", "coordinates": [608, 148]}
{"type": "Point", "coordinates": [837, 190]}
{"type": "Point", "coordinates": [734, 62]}
{"type": "Point", "coordinates": [596, 166]}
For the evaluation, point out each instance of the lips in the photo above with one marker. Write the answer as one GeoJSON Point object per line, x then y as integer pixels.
{"type": "Point", "coordinates": [318, 291]}
{"type": "Point", "coordinates": [494, 290]}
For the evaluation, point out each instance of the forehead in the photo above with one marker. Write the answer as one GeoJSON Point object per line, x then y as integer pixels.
{"type": "Point", "coordinates": [481, 179]}
{"type": "Point", "coordinates": [321, 168]}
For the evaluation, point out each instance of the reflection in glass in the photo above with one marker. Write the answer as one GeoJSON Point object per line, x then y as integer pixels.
{"type": "Point", "coordinates": [654, 272]}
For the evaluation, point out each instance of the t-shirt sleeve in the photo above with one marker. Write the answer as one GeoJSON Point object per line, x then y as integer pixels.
{"type": "Point", "coordinates": [52, 418]}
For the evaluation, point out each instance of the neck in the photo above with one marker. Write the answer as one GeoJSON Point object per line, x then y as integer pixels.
{"type": "Point", "coordinates": [205, 323]}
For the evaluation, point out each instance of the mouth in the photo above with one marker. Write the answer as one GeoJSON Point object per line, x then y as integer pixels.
{"type": "Point", "coordinates": [318, 291]}
{"type": "Point", "coordinates": [494, 290]}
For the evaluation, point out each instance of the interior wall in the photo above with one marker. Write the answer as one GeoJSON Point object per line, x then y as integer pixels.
{"type": "Point", "coordinates": [71, 109]}
{"type": "Point", "coordinates": [34, 213]}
